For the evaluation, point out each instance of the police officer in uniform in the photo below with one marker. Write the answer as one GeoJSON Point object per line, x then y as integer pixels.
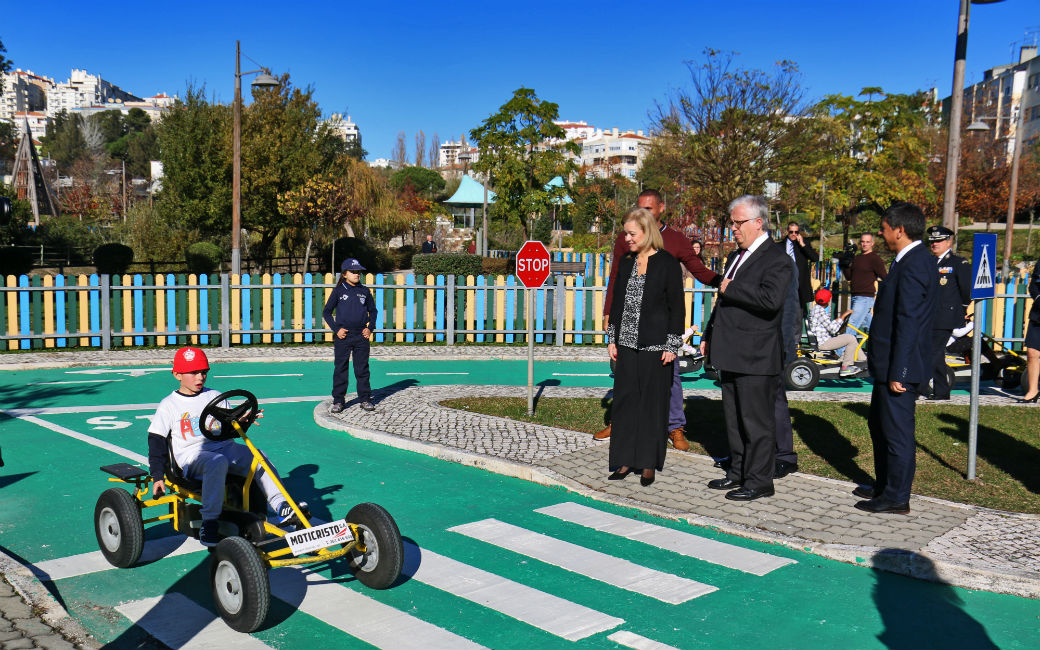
{"type": "Point", "coordinates": [954, 296]}
{"type": "Point", "coordinates": [353, 322]}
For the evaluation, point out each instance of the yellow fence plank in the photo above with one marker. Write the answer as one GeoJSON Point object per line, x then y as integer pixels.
{"type": "Point", "coordinates": [48, 311]}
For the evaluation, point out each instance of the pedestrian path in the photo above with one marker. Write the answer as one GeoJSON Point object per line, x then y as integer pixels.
{"type": "Point", "coordinates": [958, 544]}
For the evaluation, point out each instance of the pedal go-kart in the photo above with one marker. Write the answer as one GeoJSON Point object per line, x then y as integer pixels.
{"type": "Point", "coordinates": [805, 371]}
{"type": "Point", "coordinates": [368, 537]}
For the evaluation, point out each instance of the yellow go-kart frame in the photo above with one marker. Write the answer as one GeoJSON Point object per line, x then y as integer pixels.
{"type": "Point", "coordinates": [368, 536]}
{"type": "Point", "coordinates": [804, 371]}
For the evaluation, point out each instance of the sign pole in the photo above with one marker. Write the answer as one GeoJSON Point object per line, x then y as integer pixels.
{"type": "Point", "coordinates": [983, 259]}
{"type": "Point", "coordinates": [530, 352]}
{"type": "Point", "coordinates": [973, 410]}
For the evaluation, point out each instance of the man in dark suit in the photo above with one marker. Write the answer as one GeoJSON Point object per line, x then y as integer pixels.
{"type": "Point", "coordinates": [802, 254]}
{"type": "Point", "coordinates": [954, 296]}
{"type": "Point", "coordinates": [900, 358]}
{"type": "Point", "coordinates": [429, 246]}
{"type": "Point", "coordinates": [742, 340]}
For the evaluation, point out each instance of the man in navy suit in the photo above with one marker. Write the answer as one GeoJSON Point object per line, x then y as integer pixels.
{"type": "Point", "coordinates": [900, 358]}
{"type": "Point", "coordinates": [742, 340]}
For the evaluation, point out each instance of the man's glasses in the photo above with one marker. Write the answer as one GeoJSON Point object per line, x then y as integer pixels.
{"type": "Point", "coordinates": [738, 224]}
{"type": "Point", "coordinates": [792, 232]}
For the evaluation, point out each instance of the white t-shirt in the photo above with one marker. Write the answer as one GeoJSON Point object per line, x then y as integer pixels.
{"type": "Point", "coordinates": [178, 418]}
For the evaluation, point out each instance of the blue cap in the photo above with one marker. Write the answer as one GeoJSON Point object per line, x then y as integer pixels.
{"type": "Point", "coordinates": [351, 264]}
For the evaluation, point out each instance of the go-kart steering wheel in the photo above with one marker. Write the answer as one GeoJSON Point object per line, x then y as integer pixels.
{"type": "Point", "coordinates": [844, 324]}
{"type": "Point", "coordinates": [228, 416]}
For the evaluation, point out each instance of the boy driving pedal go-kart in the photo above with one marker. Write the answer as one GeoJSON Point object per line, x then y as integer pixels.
{"type": "Point", "coordinates": [176, 424]}
{"type": "Point", "coordinates": [368, 536]}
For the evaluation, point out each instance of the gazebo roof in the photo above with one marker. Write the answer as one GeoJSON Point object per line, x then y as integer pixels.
{"type": "Point", "coordinates": [558, 200]}
{"type": "Point", "coordinates": [470, 192]}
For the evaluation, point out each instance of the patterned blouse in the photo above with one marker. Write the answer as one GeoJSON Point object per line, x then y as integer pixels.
{"type": "Point", "coordinates": [629, 334]}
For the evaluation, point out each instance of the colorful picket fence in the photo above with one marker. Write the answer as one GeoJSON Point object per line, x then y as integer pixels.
{"type": "Point", "coordinates": [41, 312]}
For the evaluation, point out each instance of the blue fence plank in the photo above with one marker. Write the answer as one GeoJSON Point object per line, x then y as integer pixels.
{"type": "Point", "coordinates": [247, 312]}
{"type": "Point", "coordinates": [409, 307]}
{"type": "Point", "coordinates": [539, 314]}
{"type": "Point", "coordinates": [276, 306]}
{"type": "Point", "coordinates": [510, 322]}
{"type": "Point", "coordinates": [478, 317]}
{"type": "Point", "coordinates": [579, 306]}
{"type": "Point", "coordinates": [138, 308]}
{"type": "Point", "coordinates": [204, 308]}
{"type": "Point", "coordinates": [59, 311]}
{"type": "Point", "coordinates": [95, 309]}
{"type": "Point", "coordinates": [24, 326]}
{"type": "Point", "coordinates": [171, 307]}
{"type": "Point", "coordinates": [441, 307]}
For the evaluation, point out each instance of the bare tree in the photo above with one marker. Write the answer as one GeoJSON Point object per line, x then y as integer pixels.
{"type": "Point", "coordinates": [731, 131]}
{"type": "Point", "coordinates": [399, 154]}
{"type": "Point", "coordinates": [420, 148]}
{"type": "Point", "coordinates": [435, 152]}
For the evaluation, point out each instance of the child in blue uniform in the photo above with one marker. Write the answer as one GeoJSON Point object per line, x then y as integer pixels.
{"type": "Point", "coordinates": [355, 316]}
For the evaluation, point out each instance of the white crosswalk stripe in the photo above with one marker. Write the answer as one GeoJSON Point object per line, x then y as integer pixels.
{"type": "Point", "coordinates": [637, 642]}
{"type": "Point", "coordinates": [587, 562]}
{"type": "Point", "coordinates": [727, 555]}
{"type": "Point", "coordinates": [553, 614]}
{"type": "Point", "coordinates": [180, 623]}
{"type": "Point", "coordinates": [94, 561]}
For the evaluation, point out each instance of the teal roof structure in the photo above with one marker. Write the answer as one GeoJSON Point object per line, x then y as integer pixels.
{"type": "Point", "coordinates": [558, 200]}
{"type": "Point", "coordinates": [470, 192]}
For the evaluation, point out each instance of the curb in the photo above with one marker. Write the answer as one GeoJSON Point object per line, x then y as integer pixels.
{"type": "Point", "coordinates": [43, 603]}
{"type": "Point", "coordinates": [913, 564]}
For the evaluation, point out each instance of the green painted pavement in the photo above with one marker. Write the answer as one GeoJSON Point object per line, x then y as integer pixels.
{"type": "Point", "coordinates": [814, 603]}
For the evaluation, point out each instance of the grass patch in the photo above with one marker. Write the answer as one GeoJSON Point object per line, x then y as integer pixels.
{"type": "Point", "coordinates": [832, 440]}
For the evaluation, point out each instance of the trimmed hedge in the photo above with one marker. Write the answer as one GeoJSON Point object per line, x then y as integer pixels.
{"type": "Point", "coordinates": [447, 264]}
{"type": "Point", "coordinates": [202, 257]}
{"type": "Point", "coordinates": [498, 266]}
{"type": "Point", "coordinates": [113, 259]}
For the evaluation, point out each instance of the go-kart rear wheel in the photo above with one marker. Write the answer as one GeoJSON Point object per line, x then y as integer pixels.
{"type": "Point", "coordinates": [951, 377]}
{"type": "Point", "coordinates": [801, 374]}
{"type": "Point", "coordinates": [118, 527]}
{"type": "Point", "coordinates": [241, 590]}
{"type": "Point", "coordinates": [380, 564]}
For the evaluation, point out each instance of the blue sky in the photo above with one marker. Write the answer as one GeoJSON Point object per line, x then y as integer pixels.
{"type": "Point", "coordinates": [444, 67]}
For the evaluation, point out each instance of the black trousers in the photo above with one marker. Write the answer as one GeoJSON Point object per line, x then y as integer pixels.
{"type": "Point", "coordinates": [784, 430]}
{"type": "Point", "coordinates": [749, 405]}
{"type": "Point", "coordinates": [357, 346]}
{"type": "Point", "coordinates": [891, 424]}
{"type": "Point", "coordinates": [639, 415]}
{"type": "Point", "coordinates": [940, 387]}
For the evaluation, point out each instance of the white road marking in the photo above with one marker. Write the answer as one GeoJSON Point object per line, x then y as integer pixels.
{"type": "Point", "coordinates": [410, 374]}
{"type": "Point", "coordinates": [95, 562]}
{"type": "Point", "coordinates": [553, 614]}
{"type": "Point", "coordinates": [709, 550]}
{"type": "Point", "coordinates": [359, 615]}
{"type": "Point", "coordinates": [580, 374]}
{"type": "Point", "coordinates": [90, 440]}
{"type": "Point", "coordinates": [129, 372]}
{"type": "Point", "coordinates": [77, 381]}
{"type": "Point", "coordinates": [587, 562]}
{"type": "Point", "coordinates": [180, 623]}
{"type": "Point", "coordinates": [59, 410]}
{"type": "Point", "coordinates": [288, 374]}
{"type": "Point", "coordinates": [632, 640]}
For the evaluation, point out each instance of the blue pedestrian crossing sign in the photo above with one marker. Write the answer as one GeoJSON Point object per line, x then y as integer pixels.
{"type": "Point", "coordinates": [983, 263]}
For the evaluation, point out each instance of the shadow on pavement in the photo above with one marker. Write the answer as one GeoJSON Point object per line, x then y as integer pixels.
{"type": "Point", "coordinates": [920, 614]}
{"type": "Point", "coordinates": [823, 439]}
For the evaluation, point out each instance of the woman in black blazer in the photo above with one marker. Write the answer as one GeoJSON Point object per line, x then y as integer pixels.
{"type": "Point", "coordinates": [1033, 338]}
{"type": "Point", "coordinates": [645, 333]}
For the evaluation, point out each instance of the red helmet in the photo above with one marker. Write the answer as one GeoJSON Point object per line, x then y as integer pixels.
{"type": "Point", "coordinates": [823, 297]}
{"type": "Point", "coordinates": [190, 360]}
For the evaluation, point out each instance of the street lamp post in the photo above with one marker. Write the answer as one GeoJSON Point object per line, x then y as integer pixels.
{"type": "Point", "coordinates": [953, 150]}
{"type": "Point", "coordinates": [263, 80]}
{"type": "Point", "coordinates": [1016, 143]}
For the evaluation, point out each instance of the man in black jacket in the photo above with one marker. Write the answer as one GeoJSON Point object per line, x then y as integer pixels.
{"type": "Point", "coordinates": [900, 358]}
{"type": "Point", "coordinates": [954, 296]}
{"type": "Point", "coordinates": [802, 254]}
{"type": "Point", "coordinates": [742, 340]}
{"type": "Point", "coordinates": [429, 246]}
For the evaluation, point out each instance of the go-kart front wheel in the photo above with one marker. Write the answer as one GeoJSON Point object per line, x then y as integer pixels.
{"type": "Point", "coordinates": [118, 527]}
{"type": "Point", "coordinates": [801, 374]}
{"type": "Point", "coordinates": [380, 564]}
{"type": "Point", "coordinates": [241, 590]}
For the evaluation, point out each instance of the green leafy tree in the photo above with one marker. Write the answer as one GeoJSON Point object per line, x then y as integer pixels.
{"type": "Point", "coordinates": [194, 141]}
{"type": "Point", "coordinates": [730, 132]}
{"type": "Point", "coordinates": [426, 182]}
{"type": "Point", "coordinates": [521, 150]}
{"type": "Point", "coordinates": [5, 64]}
{"type": "Point", "coordinates": [64, 141]}
{"type": "Point", "coordinates": [284, 144]}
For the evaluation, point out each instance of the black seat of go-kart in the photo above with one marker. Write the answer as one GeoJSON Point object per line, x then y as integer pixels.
{"type": "Point", "coordinates": [175, 474]}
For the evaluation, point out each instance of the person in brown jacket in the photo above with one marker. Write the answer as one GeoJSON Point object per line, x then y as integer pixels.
{"type": "Point", "coordinates": [866, 269]}
{"type": "Point", "coordinates": [678, 245]}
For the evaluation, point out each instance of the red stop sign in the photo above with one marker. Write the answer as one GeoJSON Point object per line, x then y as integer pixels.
{"type": "Point", "coordinates": [532, 264]}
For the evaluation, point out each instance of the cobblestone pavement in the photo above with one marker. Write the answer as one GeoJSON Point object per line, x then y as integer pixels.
{"type": "Point", "coordinates": [953, 543]}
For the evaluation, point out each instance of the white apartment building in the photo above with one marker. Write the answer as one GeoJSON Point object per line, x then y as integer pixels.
{"type": "Point", "coordinates": [84, 90]}
{"type": "Point", "coordinates": [1003, 91]}
{"type": "Point", "coordinates": [605, 153]}
{"type": "Point", "coordinates": [452, 156]}
{"type": "Point", "coordinates": [37, 123]}
{"type": "Point", "coordinates": [23, 92]}
{"type": "Point", "coordinates": [344, 128]}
